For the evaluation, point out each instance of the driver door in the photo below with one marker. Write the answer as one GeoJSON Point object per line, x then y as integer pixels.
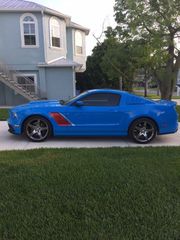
{"type": "Point", "coordinates": [95, 114]}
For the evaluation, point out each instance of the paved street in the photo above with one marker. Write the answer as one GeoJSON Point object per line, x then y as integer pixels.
{"type": "Point", "coordinates": [11, 142]}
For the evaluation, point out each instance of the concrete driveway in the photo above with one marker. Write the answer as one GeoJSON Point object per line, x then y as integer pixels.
{"type": "Point", "coordinates": [11, 142]}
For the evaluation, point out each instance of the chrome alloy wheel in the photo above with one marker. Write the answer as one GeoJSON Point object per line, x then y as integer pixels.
{"type": "Point", "coordinates": [143, 130]}
{"type": "Point", "coordinates": [37, 129]}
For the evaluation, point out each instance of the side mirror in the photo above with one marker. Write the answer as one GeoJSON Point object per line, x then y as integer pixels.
{"type": "Point", "coordinates": [79, 104]}
{"type": "Point", "coordinates": [62, 102]}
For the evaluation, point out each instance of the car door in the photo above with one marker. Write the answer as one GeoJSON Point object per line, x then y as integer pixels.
{"type": "Point", "coordinates": [95, 114]}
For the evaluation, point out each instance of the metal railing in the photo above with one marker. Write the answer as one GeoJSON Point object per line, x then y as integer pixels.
{"type": "Point", "coordinates": [27, 88]}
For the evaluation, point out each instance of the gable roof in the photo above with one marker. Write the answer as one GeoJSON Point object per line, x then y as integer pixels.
{"type": "Point", "coordinates": [77, 26]}
{"type": "Point", "coordinates": [21, 5]}
{"type": "Point", "coordinates": [61, 62]}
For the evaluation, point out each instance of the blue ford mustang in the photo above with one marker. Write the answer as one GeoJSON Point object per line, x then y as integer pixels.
{"type": "Point", "coordinates": [95, 113]}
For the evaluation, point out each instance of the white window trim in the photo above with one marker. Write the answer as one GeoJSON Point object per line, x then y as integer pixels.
{"type": "Point", "coordinates": [61, 38]}
{"type": "Point", "coordinates": [78, 54]}
{"type": "Point", "coordinates": [28, 75]}
{"type": "Point", "coordinates": [22, 31]}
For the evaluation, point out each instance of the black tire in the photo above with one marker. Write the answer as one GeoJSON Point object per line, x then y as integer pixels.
{"type": "Point", "coordinates": [37, 129]}
{"type": "Point", "coordinates": [143, 130]}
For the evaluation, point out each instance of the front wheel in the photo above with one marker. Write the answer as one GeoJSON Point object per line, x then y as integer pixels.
{"type": "Point", "coordinates": [143, 130]}
{"type": "Point", "coordinates": [37, 128]}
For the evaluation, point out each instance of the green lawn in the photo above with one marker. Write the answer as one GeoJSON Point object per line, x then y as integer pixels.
{"type": "Point", "coordinates": [3, 114]}
{"type": "Point", "coordinates": [152, 96]}
{"type": "Point", "coordinates": [178, 111]}
{"type": "Point", "coordinates": [90, 194]}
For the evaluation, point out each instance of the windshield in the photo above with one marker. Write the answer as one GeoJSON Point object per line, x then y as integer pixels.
{"type": "Point", "coordinates": [74, 98]}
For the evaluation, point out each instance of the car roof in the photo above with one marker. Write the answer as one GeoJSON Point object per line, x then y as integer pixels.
{"type": "Point", "coordinates": [107, 90]}
{"type": "Point", "coordinates": [130, 98]}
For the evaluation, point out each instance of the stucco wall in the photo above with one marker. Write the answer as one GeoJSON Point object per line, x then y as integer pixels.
{"type": "Point", "coordinates": [10, 98]}
{"type": "Point", "coordinates": [11, 51]}
{"type": "Point", "coordinates": [59, 83]}
{"type": "Point", "coordinates": [76, 57]}
{"type": "Point", "coordinates": [52, 53]}
{"type": "Point", "coordinates": [70, 45]}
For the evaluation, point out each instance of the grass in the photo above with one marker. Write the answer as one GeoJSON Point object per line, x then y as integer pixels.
{"type": "Point", "coordinates": [3, 114]}
{"type": "Point", "coordinates": [85, 194]}
{"type": "Point", "coordinates": [178, 111]}
{"type": "Point", "coordinates": [153, 96]}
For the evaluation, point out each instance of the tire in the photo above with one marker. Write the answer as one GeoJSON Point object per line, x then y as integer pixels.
{"type": "Point", "coordinates": [37, 129]}
{"type": "Point", "coordinates": [143, 130]}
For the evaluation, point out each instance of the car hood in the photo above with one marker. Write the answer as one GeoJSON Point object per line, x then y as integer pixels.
{"type": "Point", "coordinates": [36, 104]}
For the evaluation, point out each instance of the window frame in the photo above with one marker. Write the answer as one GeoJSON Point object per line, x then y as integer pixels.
{"type": "Point", "coordinates": [23, 45]}
{"type": "Point", "coordinates": [50, 33]}
{"type": "Point", "coordinates": [26, 75]}
{"type": "Point", "coordinates": [75, 45]}
{"type": "Point", "coordinates": [83, 97]}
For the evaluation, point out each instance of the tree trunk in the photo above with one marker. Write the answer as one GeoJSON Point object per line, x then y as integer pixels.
{"type": "Point", "coordinates": [167, 84]}
{"type": "Point", "coordinates": [145, 84]}
{"type": "Point", "coordinates": [120, 83]}
{"type": "Point", "coordinates": [169, 74]}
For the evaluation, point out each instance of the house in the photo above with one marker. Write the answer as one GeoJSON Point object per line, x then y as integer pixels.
{"type": "Point", "coordinates": [178, 83]}
{"type": "Point", "coordinates": [40, 51]}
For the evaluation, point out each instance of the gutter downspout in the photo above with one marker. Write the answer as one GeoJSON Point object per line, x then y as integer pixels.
{"type": "Point", "coordinates": [44, 37]}
{"type": "Point", "coordinates": [74, 81]}
{"type": "Point", "coordinates": [42, 74]}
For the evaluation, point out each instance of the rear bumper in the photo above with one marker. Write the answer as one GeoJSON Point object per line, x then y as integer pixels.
{"type": "Point", "coordinates": [172, 129]}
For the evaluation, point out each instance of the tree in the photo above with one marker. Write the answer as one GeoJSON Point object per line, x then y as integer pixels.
{"type": "Point", "coordinates": [93, 77]}
{"type": "Point", "coordinates": [157, 22]}
{"type": "Point", "coordinates": [114, 64]}
{"type": "Point", "coordinates": [96, 75]}
{"type": "Point", "coordinates": [118, 62]}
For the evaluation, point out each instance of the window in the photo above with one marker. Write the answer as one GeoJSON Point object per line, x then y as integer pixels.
{"type": "Point", "coordinates": [29, 30]}
{"type": "Point", "coordinates": [78, 42]}
{"type": "Point", "coordinates": [55, 32]}
{"type": "Point", "coordinates": [101, 99]}
{"type": "Point", "coordinates": [27, 82]}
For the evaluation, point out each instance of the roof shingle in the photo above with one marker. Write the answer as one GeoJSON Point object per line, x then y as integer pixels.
{"type": "Point", "coordinates": [19, 4]}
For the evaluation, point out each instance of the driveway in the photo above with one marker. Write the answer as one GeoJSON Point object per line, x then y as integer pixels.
{"type": "Point", "coordinates": [11, 142]}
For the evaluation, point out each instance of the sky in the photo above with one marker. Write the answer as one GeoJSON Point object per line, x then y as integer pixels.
{"type": "Point", "coordinates": [93, 14]}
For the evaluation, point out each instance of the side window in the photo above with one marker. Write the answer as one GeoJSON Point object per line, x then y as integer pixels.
{"type": "Point", "coordinates": [27, 81]}
{"type": "Point", "coordinates": [78, 43]}
{"type": "Point", "coordinates": [29, 30]}
{"type": "Point", "coordinates": [55, 32]}
{"type": "Point", "coordinates": [101, 99]}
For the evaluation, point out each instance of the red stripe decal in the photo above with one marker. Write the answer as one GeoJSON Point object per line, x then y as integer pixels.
{"type": "Point", "coordinates": [60, 119]}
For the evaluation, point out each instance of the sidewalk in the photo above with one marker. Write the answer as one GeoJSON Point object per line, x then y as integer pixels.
{"type": "Point", "coordinates": [12, 142]}
{"type": "Point", "coordinates": [177, 100]}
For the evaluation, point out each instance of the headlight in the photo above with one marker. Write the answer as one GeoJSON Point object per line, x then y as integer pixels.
{"type": "Point", "coordinates": [14, 114]}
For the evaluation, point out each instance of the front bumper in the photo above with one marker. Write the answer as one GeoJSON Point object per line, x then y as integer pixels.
{"type": "Point", "coordinates": [14, 128]}
{"type": "Point", "coordinates": [11, 129]}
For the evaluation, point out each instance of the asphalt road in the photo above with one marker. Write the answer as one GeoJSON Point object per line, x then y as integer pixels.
{"type": "Point", "coordinates": [12, 142]}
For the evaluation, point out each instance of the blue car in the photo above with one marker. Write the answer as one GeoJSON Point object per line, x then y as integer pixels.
{"type": "Point", "coordinates": [101, 112]}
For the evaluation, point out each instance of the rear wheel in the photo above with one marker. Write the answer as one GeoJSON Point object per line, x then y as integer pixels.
{"type": "Point", "coordinates": [143, 130]}
{"type": "Point", "coordinates": [37, 128]}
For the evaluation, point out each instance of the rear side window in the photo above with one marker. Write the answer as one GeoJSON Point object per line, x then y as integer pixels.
{"type": "Point", "coordinates": [101, 99]}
